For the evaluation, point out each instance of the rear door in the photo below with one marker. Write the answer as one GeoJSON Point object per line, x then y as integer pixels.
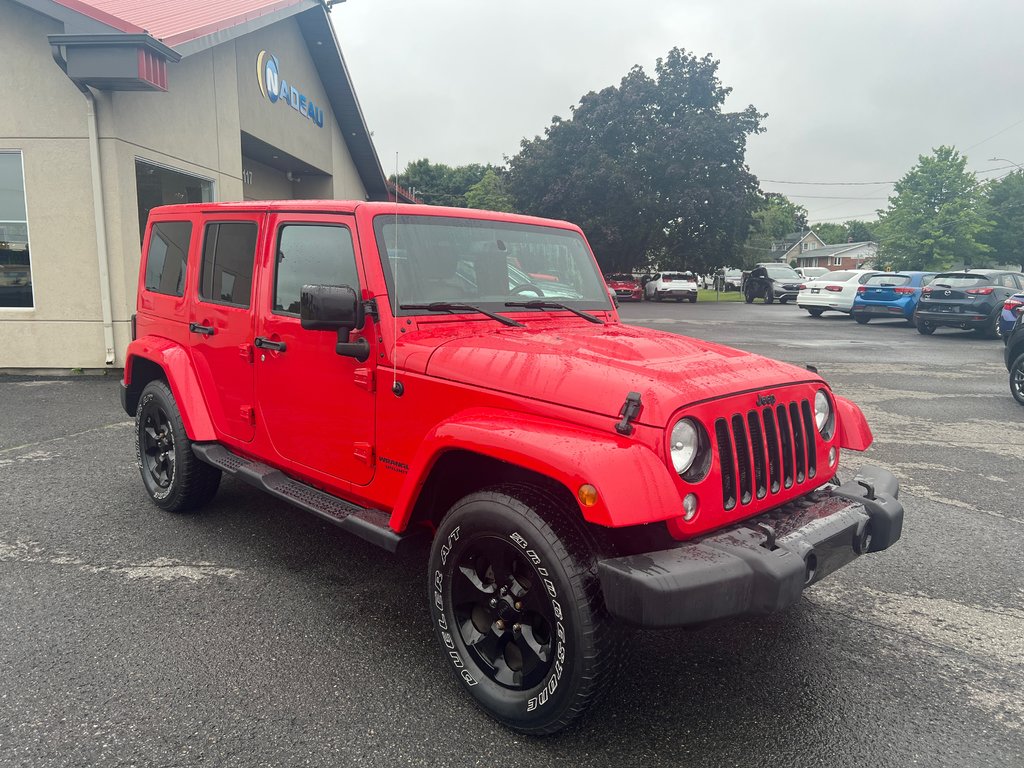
{"type": "Point", "coordinates": [221, 321]}
{"type": "Point", "coordinates": [316, 406]}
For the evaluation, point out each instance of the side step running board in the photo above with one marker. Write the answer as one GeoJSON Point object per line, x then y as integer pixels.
{"type": "Point", "coordinates": [369, 524]}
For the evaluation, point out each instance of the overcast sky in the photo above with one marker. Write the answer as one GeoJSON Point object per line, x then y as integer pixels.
{"type": "Point", "coordinates": [854, 91]}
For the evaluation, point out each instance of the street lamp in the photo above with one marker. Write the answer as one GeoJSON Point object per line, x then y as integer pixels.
{"type": "Point", "coordinates": [1003, 159]}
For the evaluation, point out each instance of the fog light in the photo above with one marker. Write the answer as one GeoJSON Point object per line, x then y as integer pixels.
{"type": "Point", "coordinates": [831, 455]}
{"type": "Point", "coordinates": [588, 494]}
{"type": "Point", "coordinates": [690, 506]}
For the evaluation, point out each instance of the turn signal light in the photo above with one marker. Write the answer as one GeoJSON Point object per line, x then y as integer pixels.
{"type": "Point", "coordinates": [588, 495]}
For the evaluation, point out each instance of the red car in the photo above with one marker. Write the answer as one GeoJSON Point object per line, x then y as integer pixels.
{"type": "Point", "coordinates": [626, 287]}
{"type": "Point", "coordinates": [388, 369]}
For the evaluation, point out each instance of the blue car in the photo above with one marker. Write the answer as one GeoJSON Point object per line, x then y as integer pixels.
{"type": "Point", "coordinates": [890, 295]}
{"type": "Point", "coordinates": [1012, 307]}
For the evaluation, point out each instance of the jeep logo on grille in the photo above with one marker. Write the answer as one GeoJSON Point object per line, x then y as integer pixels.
{"type": "Point", "coordinates": [766, 400]}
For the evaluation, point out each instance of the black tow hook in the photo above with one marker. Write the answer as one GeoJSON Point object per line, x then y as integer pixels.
{"type": "Point", "coordinates": [867, 487]}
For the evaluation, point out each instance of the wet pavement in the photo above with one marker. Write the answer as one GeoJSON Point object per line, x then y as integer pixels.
{"type": "Point", "coordinates": [253, 634]}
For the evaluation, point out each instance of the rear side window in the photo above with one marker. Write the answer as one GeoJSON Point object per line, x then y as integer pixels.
{"type": "Point", "coordinates": [890, 280]}
{"type": "Point", "coordinates": [312, 254]}
{"type": "Point", "coordinates": [167, 257]}
{"type": "Point", "coordinates": [228, 254]}
{"type": "Point", "coordinates": [1007, 281]}
{"type": "Point", "coordinates": [927, 279]}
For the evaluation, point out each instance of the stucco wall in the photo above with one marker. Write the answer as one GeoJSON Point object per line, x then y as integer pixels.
{"type": "Point", "coordinates": [194, 128]}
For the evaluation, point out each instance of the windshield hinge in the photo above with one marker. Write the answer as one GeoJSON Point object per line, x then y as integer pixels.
{"type": "Point", "coordinates": [629, 411]}
{"type": "Point", "coordinates": [370, 308]}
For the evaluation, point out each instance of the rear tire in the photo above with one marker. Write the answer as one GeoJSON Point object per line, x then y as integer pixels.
{"type": "Point", "coordinates": [1017, 379]}
{"type": "Point", "coordinates": [518, 610]}
{"type": "Point", "coordinates": [925, 329]}
{"type": "Point", "coordinates": [815, 312]}
{"type": "Point", "coordinates": [862, 319]}
{"type": "Point", "coordinates": [995, 328]}
{"type": "Point", "coordinates": [693, 299]}
{"type": "Point", "coordinates": [748, 297]}
{"type": "Point", "coordinates": [174, 478]}
{"type": "Point", "coordinates": [769, 298]}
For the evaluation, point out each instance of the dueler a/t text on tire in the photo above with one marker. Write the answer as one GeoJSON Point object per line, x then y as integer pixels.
{"type": "Point", "coordinates": [517, 607]}
{"type": "Point", "coordinates": [174, 478]}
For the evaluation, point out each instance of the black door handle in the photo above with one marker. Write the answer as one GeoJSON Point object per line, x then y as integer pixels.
{"type": "Point", "coordinates": [205, 330]}
{"type": "Point", "coordinates": [264, 343]}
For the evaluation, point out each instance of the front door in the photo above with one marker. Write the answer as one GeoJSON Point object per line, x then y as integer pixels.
{"type": "Point", "coordinates": [221, 323]}
{"type": "Point", "coordinates": [316, 406]}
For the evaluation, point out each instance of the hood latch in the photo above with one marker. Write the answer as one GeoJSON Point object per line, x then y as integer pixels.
{"type": "Point", "coordinates": [629, 411]}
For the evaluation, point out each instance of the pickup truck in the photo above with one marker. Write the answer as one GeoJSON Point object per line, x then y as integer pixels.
{"type": "Point", "coordinates": [459, 380]}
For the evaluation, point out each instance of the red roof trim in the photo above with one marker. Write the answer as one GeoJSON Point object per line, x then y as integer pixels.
{"type": "Point", "coordinates": [101, 16]}
{"type": "Point", "coordinates": [228, 23]}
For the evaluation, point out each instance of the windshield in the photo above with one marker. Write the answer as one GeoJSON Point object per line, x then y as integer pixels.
{"type": "Point", "coordinates": [621, 278]}
{"type": "Point", "coordinates": [678, 276]}
{"type": "Point", "coordinates": [959, 281]}
{"type": "Point", "coordinates": [782, 273]}
{"type": "Point", "coordinates": [485, 263]}
{"type": "Point", "coordinates": [838, 277]}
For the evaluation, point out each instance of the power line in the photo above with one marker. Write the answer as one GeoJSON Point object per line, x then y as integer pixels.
{"type": "Point", "coordinates": [997, 133]}
{"type": "Point", "coordinates": [867, 183]}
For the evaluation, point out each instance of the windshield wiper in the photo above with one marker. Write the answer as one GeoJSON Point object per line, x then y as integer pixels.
{"type": "Point", "coordinates": [448, 306]}
{"type": "Point", "coordinates": [553, 305]}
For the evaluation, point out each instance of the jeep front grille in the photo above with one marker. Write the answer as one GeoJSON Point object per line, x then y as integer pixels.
{"type": "Point", "coordinates": [766, 451]}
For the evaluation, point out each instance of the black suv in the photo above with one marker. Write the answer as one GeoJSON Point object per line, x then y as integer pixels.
{"type": "Point", "coordinates": [969, 300]}
{"type": "Point", "coordinates": [771, 282]}
{"type": "Point", "coordinates": [1014, 356]}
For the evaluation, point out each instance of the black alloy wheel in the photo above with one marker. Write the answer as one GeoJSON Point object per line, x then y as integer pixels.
{"type": "Point", "coordinates": [156, 448]}
{"type": "Point", "coordinates": [1017, 379]}
{"type": "Point", "coordinates": [996, 328]}
{"type": "Point", "coordinates": [517, 607]}
{"type": "Point", "coordinates": [173, 477]}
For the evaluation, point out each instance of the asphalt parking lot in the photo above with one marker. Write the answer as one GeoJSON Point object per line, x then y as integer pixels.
{"type": "Point", "coordinates": [253, 634]}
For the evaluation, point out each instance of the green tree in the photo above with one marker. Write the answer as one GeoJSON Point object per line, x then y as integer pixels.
{"type": "Point", "coordinates": [934, 218]}
{"type": "Point", "coordinates": [440, 184]}
{"type": "Point", "coordinates": [774, 217]}
{"type": "Point", "coordinates": [861, 231]}
{"type": "Point", "coordinates": [830, 232]}
{"type": "Point", "coordinates": [1004, 206]}
{"type": "Point", "coordinates": [489, 194]}
{"type": "Point", "coordinates": [652, 168]}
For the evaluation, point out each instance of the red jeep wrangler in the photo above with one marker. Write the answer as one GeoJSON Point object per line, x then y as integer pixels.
{"type": "Point", "coordinates": [413, 373]}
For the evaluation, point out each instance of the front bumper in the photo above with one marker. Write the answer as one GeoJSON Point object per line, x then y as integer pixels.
{"type": "Point", "coordinates": [760, 565]}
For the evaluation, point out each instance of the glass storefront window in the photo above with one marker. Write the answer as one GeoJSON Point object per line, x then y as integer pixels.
{"type": "Point", "coordinates": [15, 267]}
{"type": "Point", "coordinates": [156, 185]}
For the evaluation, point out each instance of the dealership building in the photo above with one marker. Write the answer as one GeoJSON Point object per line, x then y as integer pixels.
{"type": "Point", "coordinates": [113, 107]}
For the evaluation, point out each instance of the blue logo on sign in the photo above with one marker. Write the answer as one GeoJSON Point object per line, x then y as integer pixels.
{"type": "Point", "coordinates": [275, 88]}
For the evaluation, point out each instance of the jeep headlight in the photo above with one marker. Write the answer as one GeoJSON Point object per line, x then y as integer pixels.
{"type": "Point", "coordinates": [823, 414]}
{"type": "Point", "coordinates": [685, 442]}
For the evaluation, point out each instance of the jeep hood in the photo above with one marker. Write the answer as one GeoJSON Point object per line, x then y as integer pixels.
{"type": "Point", "coordinates": [593, 367]}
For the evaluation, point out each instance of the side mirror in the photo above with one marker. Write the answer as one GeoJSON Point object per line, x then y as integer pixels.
{"type": "Point", "coordinates": [335, 308]}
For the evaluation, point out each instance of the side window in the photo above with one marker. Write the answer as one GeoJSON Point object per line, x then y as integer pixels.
{"type": "Point", "coordinates": [311, 254]}
{"type": "Point", "coordinates": [167, 257]}
{"type": "Point", "coordinates": [1007, 280]}
{"type": "Point", "coordinates": [228, 254]}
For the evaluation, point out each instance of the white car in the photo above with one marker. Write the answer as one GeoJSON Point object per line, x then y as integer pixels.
{"type": "Point", "coordinates": [834, 291]}
{"type": "Point", "coordinates": [672, 285]}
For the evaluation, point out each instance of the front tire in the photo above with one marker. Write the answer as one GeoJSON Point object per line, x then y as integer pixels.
{"type": "Point", "coordinates": [174, 478]}
{"type": "Point", "coordinates": [769, 298]}
{"type": "Point", "coordinates": [1017, 379]}
{"type": "Point", "coordinates": [517, 607]}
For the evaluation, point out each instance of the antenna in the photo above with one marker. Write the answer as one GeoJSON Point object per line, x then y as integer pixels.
{"type": "Point", "coordinates": [395, 386]}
